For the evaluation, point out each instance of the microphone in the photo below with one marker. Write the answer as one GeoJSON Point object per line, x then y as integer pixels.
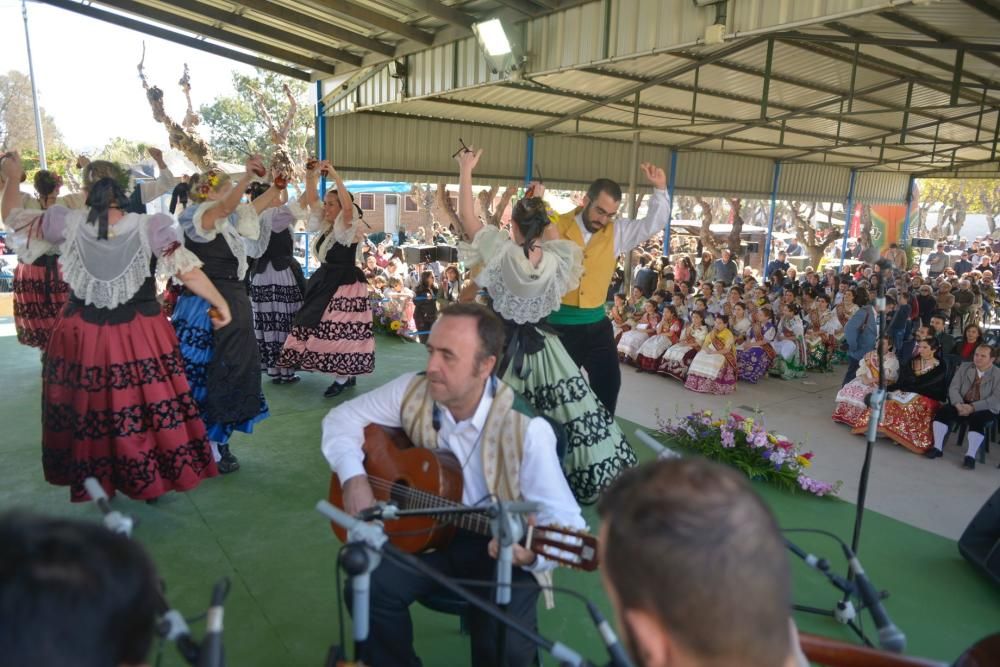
{"type": "Point", "coordinates": [212, 654]}
{"type": "Point", "coordinates": [822, 565]}
{"type": "Point", "coordinates": [890, 638]}
{"type": "Point", "coordinates": [359, 562]}
{"type": "Point", "coordinates": [114, 520]}
{"type": "Point", "coordinates": [658, 449]}
{"type": "Point", "coordinates": [618, 656]}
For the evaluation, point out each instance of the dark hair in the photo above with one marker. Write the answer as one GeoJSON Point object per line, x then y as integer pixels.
{"type": "Point", "coordinates": [73, 593]}
{"type": "Point", "coordinates": [607, 186]}
{"type": "Point", "coordinates": [672, 309]}
{"type": "Point", "coordinates": [488, 326]}
{"type": "Point", "coordinates": [941, 315]}
{"type": "Point", "coordinates": [531, 218]}
{"type": "Point", "coordinates": [861, 297]}
{"type": "Point", "coordinates": [336, 193]}
{"type": "Point", "coordinates": [423, 279]}
{"type": "Point", "coordinates": [993, 351]}
{"type": "Point", "coordinates": [978, 329]}
{"type": "Point", "coordinates": [257, 188]}
{"type": "Point", "coordinates": [103, 195]}
{"type": "Point", "coordinates": [46, 183]}
{"type": "Point", "coordinates": [694, 529]}
{"type": "Point", "coordinates": [723, 317]}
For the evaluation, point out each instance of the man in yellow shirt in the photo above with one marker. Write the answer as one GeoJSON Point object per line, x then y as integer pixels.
{"type": "Point", "coordinates": [581, 321]}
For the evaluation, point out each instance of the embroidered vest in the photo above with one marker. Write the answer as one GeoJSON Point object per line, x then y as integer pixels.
{"type": "Point", "coordinates": [502, 441]}
{"type": "Point", "coordinates": [598, 262]}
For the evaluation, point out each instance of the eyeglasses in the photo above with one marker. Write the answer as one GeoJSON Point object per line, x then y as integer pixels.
{"type": "Point", "coordinates": [601, 213]}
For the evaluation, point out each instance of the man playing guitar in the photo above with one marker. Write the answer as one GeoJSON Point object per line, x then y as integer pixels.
{"type": "Point", "coordinates": [505, 452]}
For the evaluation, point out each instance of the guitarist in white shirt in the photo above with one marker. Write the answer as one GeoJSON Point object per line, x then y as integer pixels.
{"type": "Point", "coordinates": [459, 403]}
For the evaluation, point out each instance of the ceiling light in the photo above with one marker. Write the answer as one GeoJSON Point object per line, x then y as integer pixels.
{"type": "Point", "coordinates": [492, 37]}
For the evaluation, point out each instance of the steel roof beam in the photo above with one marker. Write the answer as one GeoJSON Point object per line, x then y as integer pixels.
{"type": "Point", "coordinates": [377, 19]}
{"type": "Point", "coordinates": [229, 18]}
{"type": "Point", "coordinates": [441, 11]}
{"type": "Point", "coordinates": [888, 41]}
{"type": "Point", "coordinates": [717, 55]}
{"type": "Point", "coordinates": [199, 28]}
{"type": "Point", "coordinates": [186, 40]}
{"type": "Point", "coordinates": [934, 33]}
{"type": "Point", "coordinates": [312, 24]}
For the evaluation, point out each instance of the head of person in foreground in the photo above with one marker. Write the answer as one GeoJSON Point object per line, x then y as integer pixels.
{"type": "Point", "coordinates": [695, 567]}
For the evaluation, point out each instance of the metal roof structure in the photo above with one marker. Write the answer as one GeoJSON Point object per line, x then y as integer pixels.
{"type": "Point", "coordinates": [838, 92]}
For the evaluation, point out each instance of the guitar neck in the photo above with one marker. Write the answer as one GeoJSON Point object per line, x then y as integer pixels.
{"type": "Point", "coordinates": [475, 522]}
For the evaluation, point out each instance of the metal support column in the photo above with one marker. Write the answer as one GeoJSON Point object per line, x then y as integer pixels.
{"type": "Point", "coordinates": [770, 216]}
{"type": "Point", "coordinates": [320, 135]}
{"type": "Point", "coordinates": [529, 159]}
{"type": "Point", "coordinates": [904, 241]}
{"type": "Point", "coordinates": [633, 191]}
{"type": "Point", "coordinates": [671, 181]}
{"type": "Point", "coordinates": [848, 214]}
{"type": "Point", "coordinates": [767, 79]}
{"type": "Point", "coordinates": [39, 136]}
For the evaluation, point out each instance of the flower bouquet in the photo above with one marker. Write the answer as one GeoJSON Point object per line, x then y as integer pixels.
{"type": "Point", "coordinates": [388, 316]}
{"type": "Point", "coordinates": [744, 443]}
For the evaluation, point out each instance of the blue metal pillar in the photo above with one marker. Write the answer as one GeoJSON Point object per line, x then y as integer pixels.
{"type": "Point", "coordinates": [320, 134]}
{"type": "Point", "coordinates": [904, 241]}
{"type": "Point", "coordinates": [848, 215]}
{"type": "Point", "coordinates": [671, 181]}
{"type": "Point", "coordinates": [770, 217]}
{"type": "Point", "coordinates": [529, 159]}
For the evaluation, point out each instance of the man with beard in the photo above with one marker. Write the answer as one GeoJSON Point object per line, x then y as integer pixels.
{"type": "Point", "coordinates": [695, 567]}
{"type": "Point", "coordinates": [581, 322]}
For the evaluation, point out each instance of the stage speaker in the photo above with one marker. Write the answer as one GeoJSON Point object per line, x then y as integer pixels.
{"type": "Point", "coordinates": [752, 246]}
{"type": "Point", "coordinates": [980, 543]}
{"type": "Point", "coordinates": [447, 254]}
{"type": "Point", "coordinates": [922, 243]}
{"type": "Point", "coordinates": [419, 254]}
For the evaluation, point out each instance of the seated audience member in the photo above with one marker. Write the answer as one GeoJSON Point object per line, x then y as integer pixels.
{"type": "Point", "coordinates": [676, 361]}
{"type": "Point", "coordinates": [851, 408]}
{"type": "Point", "coordinates": [72, 593]}
{"type": "Point", "coordinates": [696, 568]}
{"type": "Point", "coordinates": [974, 397]}
{"type": "Point", "coordinates": [713, 369]}
{"type": "Point", "coordinates": [915, 398]}
{"type": "Point", "coordinates": [971, 339]}
{"type": "Point", "coordinates": [939, 323]}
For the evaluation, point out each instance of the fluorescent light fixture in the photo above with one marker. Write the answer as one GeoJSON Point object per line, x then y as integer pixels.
{"type": "Point", "coordinates": [492, 37]}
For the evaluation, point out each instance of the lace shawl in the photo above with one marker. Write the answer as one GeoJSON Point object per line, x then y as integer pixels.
{"type": "Point", "coordinates": [338, 232]}
{"type": "Point", "coordinates": [25, 234]}
{"type": "Point", "coordinates": [242, 224]}
{"type": "Point", "coordinates": [521, 292]}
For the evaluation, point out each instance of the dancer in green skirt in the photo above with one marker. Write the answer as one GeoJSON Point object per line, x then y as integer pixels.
{"type": "Point", "coordinates": [526, 277]}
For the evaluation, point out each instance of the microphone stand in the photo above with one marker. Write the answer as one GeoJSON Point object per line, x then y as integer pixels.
{"type": "Point", "coordinates": [373, 539]}
{"type": "Point", "coordinates": [507, 531]}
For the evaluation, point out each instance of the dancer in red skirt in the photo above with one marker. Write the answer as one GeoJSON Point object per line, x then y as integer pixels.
{"type": "Point", "coordinates": [332, 332]}
{"type": "Point", "coordinates": [39, 290]}
{"type": "Point", "coordinates": [116, 404]}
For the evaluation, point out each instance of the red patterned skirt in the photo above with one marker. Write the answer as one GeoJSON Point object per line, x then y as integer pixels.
{"type": "Point", "coordinates": [910, 424]}
{"type": "Point", "coordinates": [116, 406]}
{"type": "Point", "coordinates": [39, 297]}
{"type": "Point", "coordinates": [342, 343]}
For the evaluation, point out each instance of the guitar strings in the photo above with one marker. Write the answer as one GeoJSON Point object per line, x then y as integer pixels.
{"type": "Point", "coordinates": [421, 499]}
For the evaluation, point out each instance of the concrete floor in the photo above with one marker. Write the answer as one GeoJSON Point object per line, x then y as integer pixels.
{"type": "Point", "coordinates": [939, 496]}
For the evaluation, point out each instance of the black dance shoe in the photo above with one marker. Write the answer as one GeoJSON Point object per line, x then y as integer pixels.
{"type": "Point", "coordinates": [352, 381]}
{"type": "Point", "coordinates": [969, 463]}
{"type": "Point", "coordinates": [335, 389]}
{"type": "Point", "coordinates": [228, 463]}
{"type": "Point", "coordinates": [933, 453]}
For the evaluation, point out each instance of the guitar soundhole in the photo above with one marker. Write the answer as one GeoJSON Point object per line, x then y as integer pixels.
{"type": "Point", "coordinates": [399, 494]}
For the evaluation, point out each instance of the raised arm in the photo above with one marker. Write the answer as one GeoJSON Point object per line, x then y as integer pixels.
{"type": "Point", "coordinates": [467, 161]}
{"type": "Point", "coordinates": [228, 204]}
{"type": "Point", "coordinates": [346, 205]}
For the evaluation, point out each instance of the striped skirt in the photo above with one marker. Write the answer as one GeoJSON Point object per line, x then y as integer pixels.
{"type": "Point", "coordinates": [342, 343]}
{"type": "Point", "coordinates": [276, 298]}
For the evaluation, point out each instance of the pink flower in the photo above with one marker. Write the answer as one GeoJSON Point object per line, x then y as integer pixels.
{"type": "Point", "coordinates": [728, 438]}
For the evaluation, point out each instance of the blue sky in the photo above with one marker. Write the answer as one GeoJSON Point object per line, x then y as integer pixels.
{"type": "Point", "coordinates": [87, 79]}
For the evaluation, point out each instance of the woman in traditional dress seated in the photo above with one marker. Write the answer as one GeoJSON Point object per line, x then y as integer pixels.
{"type": "Point", "coordinates": [971, 339]}
{"type": "Point", "coordinates": [645, 326]}
{"type": "Point", "coordinates": [668, 331]}
{"type": "Point", "coordinates": [851, 408]}
{"type": "Point", "coordinates": [843, 312]}
{"type": "Point", "coordinates": [713, 369]}
{"type": "Point", "coordinates": [921, 389]}
{"type": "Point", "coordinates": [740, 323]}
{"type": "Point", "coordinates": [790, 361]}
{"type": "Point", "coordinates": [757, 354]}
{"type": "Point", "coordinates": [819, 344]}
{"type": "Point", "coordinates": [618, 316]}
{"type": "Point", "coordinates": [677, 359]}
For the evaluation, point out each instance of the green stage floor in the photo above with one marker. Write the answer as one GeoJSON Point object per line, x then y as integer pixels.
{"type": "Point", "coordinates": [258, 526]}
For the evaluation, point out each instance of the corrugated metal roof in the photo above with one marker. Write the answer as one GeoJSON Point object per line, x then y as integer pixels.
{"type": "Point", "coordinates": [724, 173]}
{"type": "Point", "coordinates": [814, 182]}
{"type": "Point", "coordinates": [873, 187]}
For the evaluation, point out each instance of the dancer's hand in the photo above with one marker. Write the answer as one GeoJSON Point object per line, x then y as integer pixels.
{"type": "Point", "coordinates": [220, 315]}
{"type": "Point", "coordinates": [10, 166]}
{"type": "Point", "coordinates": [468, 159]}
{"type": "Point", "coordinates": [358, 495]}
{"type": "Point", "coordinates": [157, 156]}
{"type": "Point", "coordinates": [82, 161]}
{"type": "Point", "coordinates": [255, 166]}
{"type": "Point", "coordinates": [655, 175]}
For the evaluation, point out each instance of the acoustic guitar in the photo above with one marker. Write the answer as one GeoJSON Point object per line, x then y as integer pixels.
{"type": "Point", "coordinates": [416, 477]}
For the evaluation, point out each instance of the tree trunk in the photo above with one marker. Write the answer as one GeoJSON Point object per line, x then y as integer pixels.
{"type": "Point", "coordinates": [447, 212]}
{"type": "Point", "coordinates": [736, 232]}
{"type": "Point", "coordinates": [705, 233]}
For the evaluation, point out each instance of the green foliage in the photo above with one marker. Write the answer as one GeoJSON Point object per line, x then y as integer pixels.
{"type": "Point", "coordinates": [236, 128]}
{"type": "Point", "coordinates": [17, 116]}
{"type": "Point", "coordinates": [59, 160]}
{"type": "Point", "coordinates": [941, 190]}
{"type": "Point", "coordinates": [123, 151]}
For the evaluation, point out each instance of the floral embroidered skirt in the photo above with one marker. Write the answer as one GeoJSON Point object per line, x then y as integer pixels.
{"type": "Point", "coordinates": [851, 408]}
{"type": "Point", "coordinates": [39, 297]}
{"type": "Point", "coordinates": [276, 298]}
{"type": "Point", "coordinates": [596, 449]}
{"type": "Point", "coordinates": [648, 357]}
{"type": "Point", "coordinates": [676, 361]}
{"type": "Point", "coordinates": [910, 424]}
{"type": "Point", "coordinates": [754, 363]}
{"type": "Point", "coordinates": [711, 374]}
{"type": "Point", "coordinates": [117, 406]}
